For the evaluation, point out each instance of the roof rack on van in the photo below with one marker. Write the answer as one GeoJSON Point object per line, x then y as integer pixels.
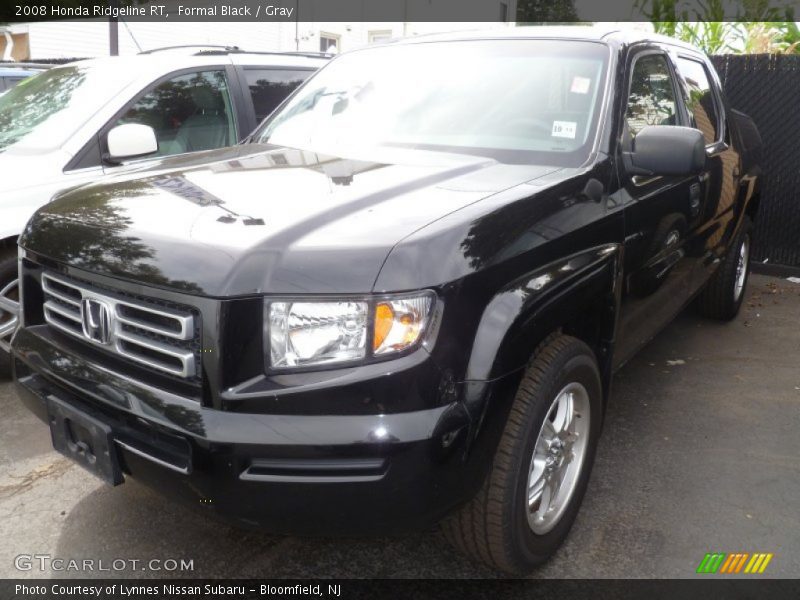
{"type": "Point", "coordinates": [215, 49]}
{"type": "Point", "coordinates": [24, 65]}
{"type": "Point", "coordinates": [291, 53]}
{"type": "Point", "coordinates": [186, 46]}
{"type": "Point", "coordinates": [266, 53]}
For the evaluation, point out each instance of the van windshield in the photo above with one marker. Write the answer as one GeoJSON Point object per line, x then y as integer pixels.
{"type": "Point", "coordinates": [45, 110]}
{"type": "Point", "coordinates": [512, 100]}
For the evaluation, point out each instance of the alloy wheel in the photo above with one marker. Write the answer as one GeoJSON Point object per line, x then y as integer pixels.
{"type": "Point", "coordinates": [558, 458]}
{"type": "Point", "coordinates": [741, 268]}
{"type": "Point", "coordinates": [9, 296]}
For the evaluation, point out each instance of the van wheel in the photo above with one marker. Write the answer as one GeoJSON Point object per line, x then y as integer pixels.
{"type": "Point", "coordinates": [8, 290]}
{"type": "Point", "coordinates": [541, 468]}
{"type": "Point", "coordinates": [724, 293]}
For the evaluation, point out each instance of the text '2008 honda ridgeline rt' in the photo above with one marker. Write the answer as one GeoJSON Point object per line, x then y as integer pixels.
{"type": "Point", "coordinates": [402, 302]}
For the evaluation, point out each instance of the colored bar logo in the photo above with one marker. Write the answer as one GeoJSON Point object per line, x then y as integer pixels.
{"type": "Point", "coordinates": [735, 562]}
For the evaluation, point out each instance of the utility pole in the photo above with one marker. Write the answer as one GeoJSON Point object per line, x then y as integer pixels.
{"type": "Point", "coordinates": [113, 29]}
{"type": "Point", "coordinates": [297, 26]}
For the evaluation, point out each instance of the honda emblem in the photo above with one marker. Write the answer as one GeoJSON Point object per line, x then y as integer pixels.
{"type": "Point", "coordinates": [96, 321]}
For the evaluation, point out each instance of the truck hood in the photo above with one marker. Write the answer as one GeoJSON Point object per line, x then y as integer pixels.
{"type": "Point", "coordinates": [262, 219]}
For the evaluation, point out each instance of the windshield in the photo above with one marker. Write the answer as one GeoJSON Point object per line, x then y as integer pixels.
{"type": "Point", "coordinates": [511, 100]}
{"type": "Point", "coordinates": [45, 110]}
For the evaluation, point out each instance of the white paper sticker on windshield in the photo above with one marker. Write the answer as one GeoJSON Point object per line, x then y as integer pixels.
{"type": "Point", "coordinates": [564, 129]}
{"type": "Point", "coordinates": [580, 85]}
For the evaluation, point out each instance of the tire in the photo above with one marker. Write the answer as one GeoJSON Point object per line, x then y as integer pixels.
{"type": "Point", "coordinates": [8, 275]}
{"type": "Point", "coordinates": [724, 293]}
{"type": "Point", "coordinates": [495, 527]}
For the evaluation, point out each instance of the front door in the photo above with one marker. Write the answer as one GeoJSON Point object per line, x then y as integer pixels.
{"type": "Point", "coordinates": [658, 213]}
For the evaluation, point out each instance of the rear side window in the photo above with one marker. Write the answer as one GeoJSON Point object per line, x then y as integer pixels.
{"type": "Point", "coordinates": [269, 87]}
{"type": "Point", "coordinates": [700, 98]}
{"type": "Point", "coordinates": [652, 94]}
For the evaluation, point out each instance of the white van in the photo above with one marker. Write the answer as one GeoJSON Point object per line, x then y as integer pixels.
{"type": "Point", "coordinates": [76, 123]}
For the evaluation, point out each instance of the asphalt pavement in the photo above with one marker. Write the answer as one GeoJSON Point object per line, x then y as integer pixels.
{"type": "Point", "coordinates": [700, 453]}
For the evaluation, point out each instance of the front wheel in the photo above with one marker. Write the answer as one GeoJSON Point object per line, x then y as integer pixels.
{"type": "Point", "coordinates": [541, 469]}
{"type": "Point", "coordinates": [724, 293]}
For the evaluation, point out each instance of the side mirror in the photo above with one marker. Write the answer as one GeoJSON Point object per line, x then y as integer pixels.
{"type": "Point", "coordinates": [666, 150]}
{"type": "Point", "coordinates": [131, 140]}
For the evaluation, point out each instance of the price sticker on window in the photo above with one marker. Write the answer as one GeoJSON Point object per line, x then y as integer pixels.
{"type": "Point", "coordinates": [580, 85]}
{"type": "Point", "coordinates": [564, 129]}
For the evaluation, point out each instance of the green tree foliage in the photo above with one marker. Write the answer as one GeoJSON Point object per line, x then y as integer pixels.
{"type": "Point", "coordinates": [720, 26]}
{"type": "Point", "coordinates": [546, 11]}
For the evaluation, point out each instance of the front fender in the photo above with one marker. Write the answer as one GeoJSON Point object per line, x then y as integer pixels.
{"type": "Point", "coordinates": [579, 295]}
{"type": "Point", "coordinates": [563, 293]}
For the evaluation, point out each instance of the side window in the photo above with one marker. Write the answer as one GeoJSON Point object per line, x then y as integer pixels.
{"type": "Point", "coordinates": [382, 36]}
{"type": "Point", "coordinates": [269, 87]}
{"type": "Point", "coordinates": [652, 95]}
{"type": "Point", "coordinates": [700, 98]}
{"type": "Point", "coordinates": [190, 112]}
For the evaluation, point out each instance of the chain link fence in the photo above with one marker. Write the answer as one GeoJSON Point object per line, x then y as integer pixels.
{"type": "Point", "coordinates": [767, 88]}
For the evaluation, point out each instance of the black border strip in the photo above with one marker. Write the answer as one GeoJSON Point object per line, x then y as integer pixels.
{"type": "Point", "coordinates": [596, 589]}
{"type": "Point", "coordinates": [523, 11]}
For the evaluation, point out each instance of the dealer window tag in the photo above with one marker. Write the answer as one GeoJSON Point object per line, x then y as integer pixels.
{"type": "Point", "coordinates": [564, 129]}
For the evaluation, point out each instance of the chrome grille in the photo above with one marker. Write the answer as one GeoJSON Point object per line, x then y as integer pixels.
{"type": "Point", "coordinates": [151, 335]}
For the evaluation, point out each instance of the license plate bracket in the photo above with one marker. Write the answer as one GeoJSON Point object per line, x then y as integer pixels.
{"type": "Point", "coordinates": [84, 439]}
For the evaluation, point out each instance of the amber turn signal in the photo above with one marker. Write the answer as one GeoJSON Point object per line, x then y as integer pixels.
{"type": "Point", "coordinates": [399, 323]}
{"type": "Point", "coordinates": [384, 319]}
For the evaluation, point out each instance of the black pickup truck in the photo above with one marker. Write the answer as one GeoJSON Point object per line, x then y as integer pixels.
{"type": "Point", "coordinates": [403, 300]}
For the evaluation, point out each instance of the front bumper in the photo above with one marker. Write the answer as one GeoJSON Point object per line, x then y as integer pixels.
{"type": "Point", "coordinates": [307, 474]}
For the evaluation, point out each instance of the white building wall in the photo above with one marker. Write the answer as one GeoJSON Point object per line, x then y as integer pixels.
{"type": "Point", "coordinates": [85, 39]}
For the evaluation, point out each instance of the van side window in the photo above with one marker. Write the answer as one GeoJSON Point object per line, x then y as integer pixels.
{"type": "Point", "coordinates": [652, 95]}
{"type": "Point", "coordinates": [268, 87]}
{"type": "Point", "coordinates": [700, 99]}
{"type": "Point", "coordinates": [189, 112]}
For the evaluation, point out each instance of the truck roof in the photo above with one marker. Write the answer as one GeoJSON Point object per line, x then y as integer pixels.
{"type": "Point", "coordinates": [599, 33]}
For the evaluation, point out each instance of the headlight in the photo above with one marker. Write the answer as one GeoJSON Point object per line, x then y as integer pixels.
{"type": "Point", "coordinates": [310, 332]}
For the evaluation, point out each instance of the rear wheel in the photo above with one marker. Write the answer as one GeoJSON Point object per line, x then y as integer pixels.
{"type": "Point", "coordinates": [9, 291]}
{"type": "Point", "coordinates": [724, 293]}
{"type": "Point", "coordinates": [540, 471]}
